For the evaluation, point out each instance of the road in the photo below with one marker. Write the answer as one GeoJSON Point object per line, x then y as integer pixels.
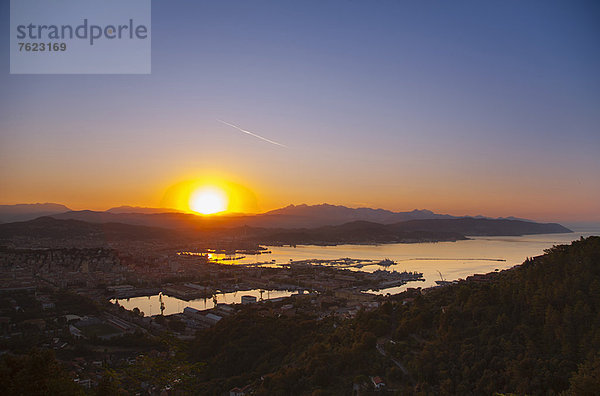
{"type": "Point", "coordinates": [380, 349]}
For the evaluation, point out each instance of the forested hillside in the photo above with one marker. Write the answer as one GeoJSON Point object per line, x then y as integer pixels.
{"type": "Point", "coordinates": [534, 329]}
{"type": "Point", "coordinates": [527, 331]}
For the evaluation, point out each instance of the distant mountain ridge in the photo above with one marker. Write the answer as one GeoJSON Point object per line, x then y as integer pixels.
{"type": "Point", "coordinates": [24, 212]}
{"type": "Point", "coordinates": [483, 227]}
{"type": "Point", "coordinates": [140, 209]}
{"type": "Point", "coordinates": [289, 217]}
{"type": "Point", "coordinates": [426, 230]}
{"type": "Point", "coordinates": [48, 230]}
{"type": "Point", "coordinates": [326, 214]}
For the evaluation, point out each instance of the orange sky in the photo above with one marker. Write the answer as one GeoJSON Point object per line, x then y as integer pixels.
{"type": "Point", "coordinates": [538, 202]}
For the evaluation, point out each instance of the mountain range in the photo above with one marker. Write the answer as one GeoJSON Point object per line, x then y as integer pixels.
{"type": "Point", "coordinates": [292, 225]}
{"type": "Point", "coordinates": [423, 230]}
{"type": "Point", "coordinates": [290, 217]}
{"type": "Point", "coordinates": [50, 231]}
{"type": "Point", "coordinates": [24, 212]}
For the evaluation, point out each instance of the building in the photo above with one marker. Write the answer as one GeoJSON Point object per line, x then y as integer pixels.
{"type": "Point", "coordinates": [236, 392]}
{"type": "Point", "coordinates": [378, 383]}
{"type": "Point", "coordinates": [192, 312]}
{"type": "Point", "coordinates": [249, 299]}
{"type": "Point", "coordinates": [211, 319]}
{"type": "Point", "coordinates": [75, 332]}
{"type": "Point", "coordinates": [240, 391]}
{"type": "Point", "coordinates": [119, 288]}
{"type": "Point", "coordinates": [224, 310]}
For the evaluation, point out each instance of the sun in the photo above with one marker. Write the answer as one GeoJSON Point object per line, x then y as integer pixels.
{"type": "Point", "coordinates": [208, 200]}
{"type": "Point", "coordinates": [209, 195]}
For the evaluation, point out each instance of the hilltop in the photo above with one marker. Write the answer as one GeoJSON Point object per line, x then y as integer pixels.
{"type": "Point", "coordinates": [23, 212]}
{"type": "Point", "coordinates": [326, 214]}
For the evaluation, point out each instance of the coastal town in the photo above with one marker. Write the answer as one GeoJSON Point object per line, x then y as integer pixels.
{"type": "Point", "coordinates": [103, 304]}
{"type": "Point", "coordinates": [72, 300]}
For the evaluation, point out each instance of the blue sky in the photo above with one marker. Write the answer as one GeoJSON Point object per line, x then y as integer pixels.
{"type": "Point", "coordinates": [465, 107]}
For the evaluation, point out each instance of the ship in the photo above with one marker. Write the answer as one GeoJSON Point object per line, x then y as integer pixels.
{"type": "Point", "coordinates": [386, 262]}
{"type": "Point", "coordinates": [442, 281]}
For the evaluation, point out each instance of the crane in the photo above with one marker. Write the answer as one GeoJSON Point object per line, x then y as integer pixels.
{"type": "Point", "coordinates": [441, 276]}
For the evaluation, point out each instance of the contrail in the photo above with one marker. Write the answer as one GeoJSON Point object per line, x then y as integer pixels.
{"type": "Point", "coordinates": [252, 134]}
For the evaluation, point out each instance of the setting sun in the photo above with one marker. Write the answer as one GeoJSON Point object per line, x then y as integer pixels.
{"type": "Point", "coordinates": [208, 200]}
{"type": "Point", "coordinates": [209, 195]}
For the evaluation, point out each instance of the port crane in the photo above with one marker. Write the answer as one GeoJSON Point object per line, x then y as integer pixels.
{"type": "Point", "coordinates": [441, 276]}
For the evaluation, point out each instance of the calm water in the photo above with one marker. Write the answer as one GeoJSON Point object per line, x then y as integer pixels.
{"type": "Point", "coordinates": [150, 305]}
{"type": "Point", "coordinates": [454, 260]}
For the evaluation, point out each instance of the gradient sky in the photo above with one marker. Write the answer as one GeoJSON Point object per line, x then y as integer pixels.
{"type": "Point", "coordinates": [463, 107]}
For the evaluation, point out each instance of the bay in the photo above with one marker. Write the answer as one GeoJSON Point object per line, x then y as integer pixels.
{"type": "Point", "coordinates": [450, 260]}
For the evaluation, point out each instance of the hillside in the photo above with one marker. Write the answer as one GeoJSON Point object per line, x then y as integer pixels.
{"type": "Point", "coordinates": [534, 329]}
{"type": "Point", "coordinates": [482, 227]}
{"type": "Point", "coordinates": [357, 232]}
{"type": "Point", "coordinates": [51, 229]}
{"type": "Point", "coordinates": [75, 231]}
{"type": "Point", "coordinates": [433, 230]}
{"type": "Point", "coordinates": [525, 331]}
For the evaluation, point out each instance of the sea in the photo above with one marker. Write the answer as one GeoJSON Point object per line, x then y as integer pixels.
{"type": "Point", "coordinates": [437, 261]}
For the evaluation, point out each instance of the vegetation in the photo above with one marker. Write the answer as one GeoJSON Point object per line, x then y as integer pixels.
{"type": "Point", "coordinates": [524, 332]}
{"type": "Point", "coordinates": [37, 373]}
{"type": "Point", "coordinates": [534, 329]}
{"type": "Point", "coordinates": [292, 355]}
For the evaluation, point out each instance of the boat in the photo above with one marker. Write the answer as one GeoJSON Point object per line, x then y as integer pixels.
{"type": "Point", "coordinates": [233, 258]}
{"type": "Point", "coordinates": [442, 281]}
{"type": "Point", "coordinates": [386, 262]}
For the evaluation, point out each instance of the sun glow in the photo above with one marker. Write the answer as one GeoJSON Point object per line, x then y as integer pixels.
{"type": "Point", "coordinates": [208, 200]}
{"type": "Point", "coordinates": [209, 195]}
